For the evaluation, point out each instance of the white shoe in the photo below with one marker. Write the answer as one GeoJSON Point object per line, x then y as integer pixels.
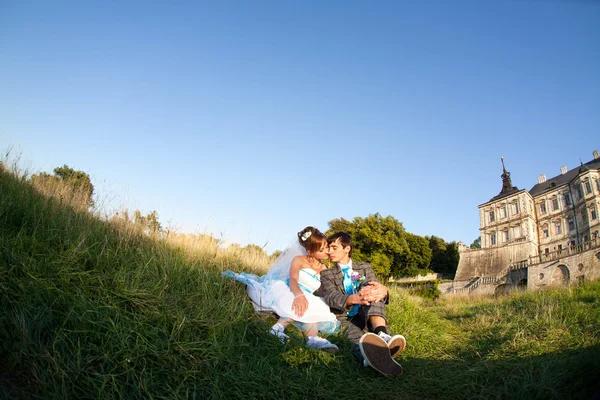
{"type": "Point", "coordinates": [385, 336]}
{"type": "Point", "coordinates": [318, 343]}
{"type": "Point", "coordinates": [283, 338]}
{"type": "Point", "coordinates": [396, 343]}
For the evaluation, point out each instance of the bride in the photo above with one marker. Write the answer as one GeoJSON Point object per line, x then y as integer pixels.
{"type": "Point", "coordinates": [287, 290]}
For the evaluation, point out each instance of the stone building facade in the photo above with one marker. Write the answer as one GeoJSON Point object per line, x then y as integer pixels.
{"type": "Point", "coordinates": [548, 235]}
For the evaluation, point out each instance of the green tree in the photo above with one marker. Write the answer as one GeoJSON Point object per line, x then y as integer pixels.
{"type": "Point", "coordinates": [476, 243]}
{"type": "Point", "coordinates": [453, 257]}
{"type": "Point", "coordinates": [152, 221]}
{"type": "Point", "coordinates": [378, 240]}
{"type": "Point", "coordinates": [438, 254]}
{"type": "Point", "coordinates": [78, 180]}
{"type": "Point", "coordinates": [444, 258]}
{"type": "Point", "coordinates": [419, 257]}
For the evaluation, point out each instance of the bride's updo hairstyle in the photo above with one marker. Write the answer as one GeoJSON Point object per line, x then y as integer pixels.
{"type": "Point", "coordinates": [311, 239]}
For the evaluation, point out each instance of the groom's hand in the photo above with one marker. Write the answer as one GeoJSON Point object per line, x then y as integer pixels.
{"type": "Point", "coordinates": [373, 292]}
{"type": "Point", "coordinates": [357, 299]}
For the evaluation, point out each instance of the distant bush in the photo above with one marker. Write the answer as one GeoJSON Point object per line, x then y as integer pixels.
{"type": "Point", "coordinates": [425, 289]}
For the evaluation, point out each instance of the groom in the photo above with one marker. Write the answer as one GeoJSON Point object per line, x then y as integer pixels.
{"type": "Point", "coordinates": [360, 308]}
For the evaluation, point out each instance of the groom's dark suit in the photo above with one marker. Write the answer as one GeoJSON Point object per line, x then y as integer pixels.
{"type": "Point", "coordinates": [334, 294]}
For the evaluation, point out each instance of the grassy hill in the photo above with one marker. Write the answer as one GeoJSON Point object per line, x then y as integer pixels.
{"type": "Point", "coordinates": [97, 309]}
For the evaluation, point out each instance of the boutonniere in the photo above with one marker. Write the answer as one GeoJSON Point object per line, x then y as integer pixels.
{"type": "Point", "coordinates": [356, 279]}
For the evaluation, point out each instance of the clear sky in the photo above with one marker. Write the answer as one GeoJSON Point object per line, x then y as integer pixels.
{"type": "Point", "coordinates": [252, 119]}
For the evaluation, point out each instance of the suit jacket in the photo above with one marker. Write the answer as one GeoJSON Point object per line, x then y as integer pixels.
{"type": "Point", "coordinates": [332, 286]}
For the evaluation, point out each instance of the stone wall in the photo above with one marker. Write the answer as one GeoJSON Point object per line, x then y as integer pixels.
{"type": "Point", "coordinates": [419, 278]}
{"type": "Point", "coordinates": [492, 261]}
{"type": "Point", "coordinates": [566, 270]}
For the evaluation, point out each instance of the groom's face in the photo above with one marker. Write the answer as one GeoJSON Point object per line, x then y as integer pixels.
{"type": "Point", "coordinates": [337, 252]}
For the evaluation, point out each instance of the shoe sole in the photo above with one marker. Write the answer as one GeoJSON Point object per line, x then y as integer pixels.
{"type": "Point", "coordinates": [375, 350]}
{"type": "Point", "coordinates": [330, 349]}
{"type": "Point", "coordinates": [397, 345]}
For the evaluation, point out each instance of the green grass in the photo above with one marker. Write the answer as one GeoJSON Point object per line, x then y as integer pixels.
{"type": "Point", "coordinates": [94, 309]}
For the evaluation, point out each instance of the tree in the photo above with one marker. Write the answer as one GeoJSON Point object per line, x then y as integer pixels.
{"type": "Point", "coordinates": [476, 243]}
{"type": "Point", "coordinates": [378, 240]}
{"type": "Point", "coordinates": [152, 221]}
{"type": "Point", "coordinates": [419, 257]}
{"type": "Point", "coordinates": [453, 257]}
{"type": "Point", "coordinates": [444, 258]}
{"type": "Point", "coordinates": [77, 180]}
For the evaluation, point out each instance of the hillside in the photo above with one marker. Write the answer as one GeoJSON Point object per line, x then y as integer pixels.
{"type": "Point", "coordinates": [98, 309]}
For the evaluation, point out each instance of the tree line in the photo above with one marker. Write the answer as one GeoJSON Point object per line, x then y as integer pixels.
{"type": "Point", "coordinates": [393, 251]}
{"type": "Point", "coordinates": [382, 241]}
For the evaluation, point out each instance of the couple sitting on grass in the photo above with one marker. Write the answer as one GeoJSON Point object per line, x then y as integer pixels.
{"type": "Point", "coordinates": [352, 298]}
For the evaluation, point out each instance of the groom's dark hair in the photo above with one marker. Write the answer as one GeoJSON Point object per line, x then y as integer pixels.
{"type": "Point", "coordinates": [345, 240]}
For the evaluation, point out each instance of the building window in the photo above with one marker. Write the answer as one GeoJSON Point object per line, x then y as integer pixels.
{"type": "Point", "coordinates": [517, 207]}
{"type": "Point", "coordinates": [554, 204]}
{"type": "Point", "coordinates": [503, 212]}
{"type": "Point", "coordinates": [571, 224]}
{"type": "Point", "coordinates": [547, 251]}
{"type": "Point", "coordinates": [584, 216]}
{"type": "Point", "coordinates": [598, 184]}
{"type": "Point", "coordinates": [506, 236]}
{"type": "Point", "coordinates": [579, 192]}
{"type": "Point", "coordinates": [593, 212]}
{"type": "Point", "coordinates": [567, 199]}
{"type": "Point", "coordinates": [493, 239]}
{"type": "Point", "coordinates": [588, 187]}
{"type": "Point", "coordinates": [545, 230]}
{"type": "Point", "coordinates": [492, 218]}
{"type": "Point", "coordinates": [559, 248]}
{"type": "Point", "coordinates": [543, 207]}
{"type": "Point", "coordinates": [558, 228]}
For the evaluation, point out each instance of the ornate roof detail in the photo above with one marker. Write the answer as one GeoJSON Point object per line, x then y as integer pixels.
{"type": "Point", "coordinates": [507, 186]}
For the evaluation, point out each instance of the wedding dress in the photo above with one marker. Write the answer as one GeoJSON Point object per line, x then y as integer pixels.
{"type": "Point", "coordinates": [271, 292]}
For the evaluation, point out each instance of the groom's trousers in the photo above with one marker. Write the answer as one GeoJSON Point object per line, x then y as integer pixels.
{"type": "Point", "coordinates": [359, 323]}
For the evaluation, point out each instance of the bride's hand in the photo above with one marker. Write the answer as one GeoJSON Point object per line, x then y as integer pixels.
{"type": "Point", "coordinates": [299, 305]}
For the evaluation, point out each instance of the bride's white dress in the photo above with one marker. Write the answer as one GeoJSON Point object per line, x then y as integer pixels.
{"type": "Point", "coordinates": [272, 293]}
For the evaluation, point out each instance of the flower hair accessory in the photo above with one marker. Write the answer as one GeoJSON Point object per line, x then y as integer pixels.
{"type": "Point", "coordinates": [306, 235]}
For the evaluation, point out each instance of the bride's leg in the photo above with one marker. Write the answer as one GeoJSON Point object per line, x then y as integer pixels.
{"type": "Point", "coordinates": [283, 322]}
{"type": "Point", "coordinates": [310, 330]}
{"type": "Point", "coordinates": [315, 342]}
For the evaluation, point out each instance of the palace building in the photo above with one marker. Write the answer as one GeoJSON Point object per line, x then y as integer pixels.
{"type": "Point", "coordinates": [530, 239]}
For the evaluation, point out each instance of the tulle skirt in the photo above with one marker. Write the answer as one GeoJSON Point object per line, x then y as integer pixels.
{"type": "Point", "coordinates": [276, 296]}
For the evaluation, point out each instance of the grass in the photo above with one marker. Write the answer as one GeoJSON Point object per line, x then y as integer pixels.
{"type": "Point", "coordinates": [92, 308]}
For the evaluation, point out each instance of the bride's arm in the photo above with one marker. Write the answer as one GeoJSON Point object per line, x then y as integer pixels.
{"type": "Point", "coordinates": [300, 304]}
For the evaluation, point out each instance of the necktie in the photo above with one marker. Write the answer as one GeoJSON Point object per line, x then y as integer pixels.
{"type": "Point", "coordinates": [349, 287]}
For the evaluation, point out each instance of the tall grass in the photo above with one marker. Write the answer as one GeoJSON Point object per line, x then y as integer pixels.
{"type": "Point", "coordinates": [98, 309]}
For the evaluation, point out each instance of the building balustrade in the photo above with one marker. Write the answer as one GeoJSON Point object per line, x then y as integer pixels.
{"type": "Point", "coordinates": [491, 279]}
{"type": "Point", "coordinates": [558, 254]}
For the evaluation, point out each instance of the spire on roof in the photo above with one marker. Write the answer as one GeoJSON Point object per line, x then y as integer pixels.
{"type": "Point", "coordinates": [506, 182]}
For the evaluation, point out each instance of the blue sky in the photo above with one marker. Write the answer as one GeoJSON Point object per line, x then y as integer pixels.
{"type": "Point", "coordinates": [252, 119]}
